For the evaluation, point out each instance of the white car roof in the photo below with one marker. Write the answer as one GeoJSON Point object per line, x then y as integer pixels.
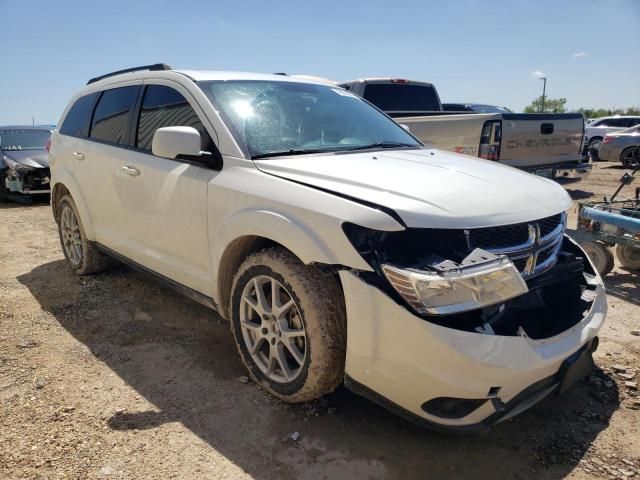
{"type": "Point", "coordinates": [615, 116]}
{"type": "Point", "coordinates": [195, 75]}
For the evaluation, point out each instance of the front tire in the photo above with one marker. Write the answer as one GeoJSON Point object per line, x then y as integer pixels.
{"type": "Point", "coordinates": [82, 256]}
{"type": "Point", "coordinates": [628, 256]}
{"type": "Point", "coordinates": [288, 321]}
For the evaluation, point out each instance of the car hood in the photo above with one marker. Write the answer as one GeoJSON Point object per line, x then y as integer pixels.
{"type": "Point", "coordinates": [30, 158]}
{"type": "Point", "coordinates": [428, 188]}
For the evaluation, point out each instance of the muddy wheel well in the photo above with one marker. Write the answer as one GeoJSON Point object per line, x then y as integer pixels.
{"type": "Point", "coordinates": [59, 191]}
{"type": "Point", "coordinates": [231, 259]}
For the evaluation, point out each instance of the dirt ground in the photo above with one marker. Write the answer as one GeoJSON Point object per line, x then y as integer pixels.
{"type": "Point", "coordinates": [117, 377]}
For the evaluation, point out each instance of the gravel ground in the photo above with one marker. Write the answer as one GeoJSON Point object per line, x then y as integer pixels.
{"type": "Point", "coordinates": [115, 376]}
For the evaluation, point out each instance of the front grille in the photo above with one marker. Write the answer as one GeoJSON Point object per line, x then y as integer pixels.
{"type": "Point", "coordinates": [549, 224]}
{"type": "Point", "coordinates": [545, 255]}
{"type": "Point", "coordinates": [499, 237]}
{"type": "Point", "coordinates": [522, 242]}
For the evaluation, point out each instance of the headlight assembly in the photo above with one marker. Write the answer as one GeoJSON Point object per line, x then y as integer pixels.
{"type": "Point", "coordinates": [481, 280]}
{"type": "Point", "coordinates": [14, 166]}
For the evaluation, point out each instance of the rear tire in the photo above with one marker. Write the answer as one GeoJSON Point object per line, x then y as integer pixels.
{"type": "Point", "coordinates": [600, 255]}
{"type": "Point", "coordinates": [293, 341]}
{"type": "Point", "coordinates": [82, 255]}
{"type": "Point", "coordinates": [628, 256]}
{"type": "Point", "coordinates": [627, 158]}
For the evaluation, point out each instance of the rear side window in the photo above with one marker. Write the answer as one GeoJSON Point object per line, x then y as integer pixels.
{"type": "Point", "coordinates": [111, 118]}
{"type": "Point", "coordinates": [392, 97]}
{"type": "Point", "coordinates": [78, 119]}
{"type": "Point", "coordinates": [614, 122]}
{"type": "Point", "coordinates": [166, 107]}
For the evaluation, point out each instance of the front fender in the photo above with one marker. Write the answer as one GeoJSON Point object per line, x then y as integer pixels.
{"type": "Point", "coordinates": [63, 177]}
{"type": "Point", "coordinates": [325, 243]}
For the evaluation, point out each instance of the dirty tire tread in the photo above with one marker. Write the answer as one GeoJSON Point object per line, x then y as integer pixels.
{"type": "Point", "coordinates": [321, 304]}
{"type": "Point", "coordinates": [93, 261]}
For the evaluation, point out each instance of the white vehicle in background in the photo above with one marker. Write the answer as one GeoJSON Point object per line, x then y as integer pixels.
{"type": "Point", "coordinates": [339, 247]}
{"type": "Point", "coordinates": [598, 128]}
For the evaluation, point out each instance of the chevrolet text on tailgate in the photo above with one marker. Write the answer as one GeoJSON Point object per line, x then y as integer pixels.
{"type": "Point", "coordinates": [339, 248]}
{"type": "Point", "coordinates": [548, 145]}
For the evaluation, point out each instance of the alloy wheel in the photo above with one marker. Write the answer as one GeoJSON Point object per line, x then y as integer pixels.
{"type": "Point", "coordinates": [627, 158]}
{"type": "Point", "coordinates": [70, 230]}
{"type": "Point", "coordinates": [272, 329]}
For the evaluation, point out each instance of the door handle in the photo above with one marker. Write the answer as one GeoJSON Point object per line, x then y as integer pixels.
{"type": "Point", "coordinates": [78, 155]}
{"type": "Point", "coordinates": [134, 172]}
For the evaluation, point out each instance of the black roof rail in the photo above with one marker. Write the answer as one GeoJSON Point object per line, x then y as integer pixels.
{"type": "Point", "coordinates": [281, 73]}
{"type": "Point", "coordinates": [153, 68]}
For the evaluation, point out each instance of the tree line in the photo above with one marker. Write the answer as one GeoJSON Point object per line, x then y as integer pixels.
{"type": "Point", "coordinates": [558, 105]}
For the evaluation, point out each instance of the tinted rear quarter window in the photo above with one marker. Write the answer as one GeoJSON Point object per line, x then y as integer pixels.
{"type": "Point", "coordinates": [166, 107]}
{"type": "Point", "coordinates": [111, 118]}
{"type": "Point", "coordinates": [78, 119]}
{"type": "Point", "coordinates": [392, 97]}
{"type": "Point", "coordinates": [615, 122]}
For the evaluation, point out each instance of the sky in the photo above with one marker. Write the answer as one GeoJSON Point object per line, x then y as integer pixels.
{"type": "Point", "coordinates": [480, 51]}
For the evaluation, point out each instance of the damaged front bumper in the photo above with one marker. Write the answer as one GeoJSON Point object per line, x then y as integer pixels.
{"type": "Point", "coordinates": [454, 379]}
{"type": "Point", "coordinates": [27, 181]}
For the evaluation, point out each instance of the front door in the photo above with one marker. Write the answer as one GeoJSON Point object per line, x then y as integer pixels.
{"type": "Point", "coordinates": [166, 200]}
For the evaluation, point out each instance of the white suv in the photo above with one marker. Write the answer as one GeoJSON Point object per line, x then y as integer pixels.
{"type": "Point", "coordinates": [339, 248]}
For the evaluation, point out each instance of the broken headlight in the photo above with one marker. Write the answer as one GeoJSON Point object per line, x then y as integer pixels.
{"type": "Point", "coordinates": [434, 271]}
{"type": "Point", "coordinates": [15, 167]}
{"type": "Point", "coordinates": [481, 280]}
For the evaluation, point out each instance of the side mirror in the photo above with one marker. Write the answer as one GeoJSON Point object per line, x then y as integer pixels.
{"type": "Point", "coordinates": [172, 142]}
{"type": "Point", "coordinates": [406, 127]}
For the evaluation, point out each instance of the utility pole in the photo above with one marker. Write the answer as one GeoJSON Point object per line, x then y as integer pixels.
{"type": "Point", "coordinates": [544, 89]}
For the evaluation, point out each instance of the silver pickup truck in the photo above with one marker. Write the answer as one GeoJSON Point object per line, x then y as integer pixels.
{"type": "Point", "coordinates": [549, 145]}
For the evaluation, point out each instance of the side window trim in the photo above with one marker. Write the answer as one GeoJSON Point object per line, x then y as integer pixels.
{"type": "Point", "coordinates": [135, 117]}
{"type": "Point", "coordinates": [93, 112]}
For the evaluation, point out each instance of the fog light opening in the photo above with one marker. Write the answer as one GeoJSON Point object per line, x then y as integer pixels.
{"type": "Point", "coordinates": [452, 408]}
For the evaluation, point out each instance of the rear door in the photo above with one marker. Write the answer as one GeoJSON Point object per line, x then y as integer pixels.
{"type": "Point", "coordinates": [541, 139]}
{"type": "Point", "coordinates": [166, 200]}
{"type": "Point", "coordinates": [98, 163]}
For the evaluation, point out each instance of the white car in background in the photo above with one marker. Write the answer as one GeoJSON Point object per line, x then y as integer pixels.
{"type": "Point", "coordinates": [338, 246]}
{"type": "Point", "coordinates": [598, 128]}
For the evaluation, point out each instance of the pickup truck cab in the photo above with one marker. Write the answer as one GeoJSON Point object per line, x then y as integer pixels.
{"type": "Point", "coordinates": [549, 145]}
{"type": "Point", "coordinates": [339, 248]}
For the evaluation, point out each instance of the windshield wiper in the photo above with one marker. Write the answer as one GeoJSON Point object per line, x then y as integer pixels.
{"type": "Point", "coordinates": [385, 144]}
{"type": "Point", "coordinates": [292, 152]}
